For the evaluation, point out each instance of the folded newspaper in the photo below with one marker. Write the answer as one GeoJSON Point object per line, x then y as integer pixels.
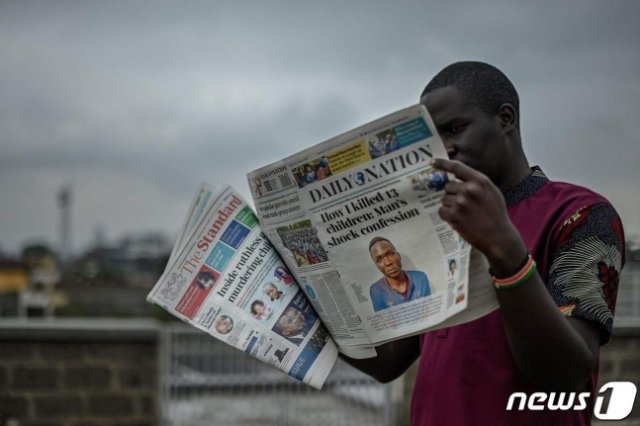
{"type": "Point", "coordinates": [345, 251]}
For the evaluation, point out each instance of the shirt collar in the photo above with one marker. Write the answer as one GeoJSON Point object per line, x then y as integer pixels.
{"type": "Point", "coordinates": [527, 187]}
{"type": "Point", "coordinates": [409, 285]}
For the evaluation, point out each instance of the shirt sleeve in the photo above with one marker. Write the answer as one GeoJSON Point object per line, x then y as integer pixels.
{"type": "Point", "coordinates": [586, 263]}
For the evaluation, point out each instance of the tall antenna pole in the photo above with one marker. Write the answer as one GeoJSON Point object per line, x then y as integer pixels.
{"type": "Point", "coordinates": [64, 202]}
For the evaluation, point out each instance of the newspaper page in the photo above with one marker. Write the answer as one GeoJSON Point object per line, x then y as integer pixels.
{"type": "Point", "coordinates": [194, 215]}
{"type": "Point", "coordinates": [356, 220]}
{"type": "Point", "coordinates": [225, 278]}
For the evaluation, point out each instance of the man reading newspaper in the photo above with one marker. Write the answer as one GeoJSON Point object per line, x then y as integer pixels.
{"type": "Point", "coordinates": [554, 249]}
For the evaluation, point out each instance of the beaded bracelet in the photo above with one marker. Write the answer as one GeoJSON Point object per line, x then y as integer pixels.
{"type": "Point", "coordinates": [518, 278]}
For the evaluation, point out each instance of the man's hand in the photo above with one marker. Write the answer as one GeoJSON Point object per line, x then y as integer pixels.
{"type": "Point", "coordinates": [475, 208]}
{"type": "Point", "coordinates": [555, 353]}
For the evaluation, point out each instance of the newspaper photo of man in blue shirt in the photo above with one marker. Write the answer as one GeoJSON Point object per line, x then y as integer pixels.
{"type": "Point", "coordinates": [396, 286]}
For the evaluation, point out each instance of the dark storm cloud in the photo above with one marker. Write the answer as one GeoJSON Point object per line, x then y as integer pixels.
{"type": "Point", "coordinates": [159, 96]}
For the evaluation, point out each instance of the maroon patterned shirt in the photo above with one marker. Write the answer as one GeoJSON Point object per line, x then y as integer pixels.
{"type": "Point", "coordinates": [467, 373]}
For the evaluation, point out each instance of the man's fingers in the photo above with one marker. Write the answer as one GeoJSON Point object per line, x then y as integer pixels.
{"type": "Point", "coordinates": [453, 187]}
{"type": "Point", "coordinates": [447, 200]}
{"type": "Point", "coordinates": [461, 171]}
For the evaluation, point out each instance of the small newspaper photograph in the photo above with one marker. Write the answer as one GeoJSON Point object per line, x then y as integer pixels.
{"type": "Point", "coordinates": [355, 218]}
{"type": "Point", "coordinates": [225, 278]}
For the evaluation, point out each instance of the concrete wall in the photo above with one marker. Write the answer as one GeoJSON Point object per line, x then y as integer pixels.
{"type": "Point", "coordinates": [105, 373]}
{"type": "Point", "coordinates": [620, 361]}
{"type": "Point", "coordinates": [71, 373]}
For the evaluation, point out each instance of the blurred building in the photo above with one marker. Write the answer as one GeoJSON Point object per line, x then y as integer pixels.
{"type": "Point", "coordinates": [28, 285]}
{"type": "Point", "coordinates": [113, 280]}
{"type": "Point", "coordinates": [107, 280]}
{"type": "Point", "coordinates": [14, 278]}
{"type": "Point", "coordinates": [41, 296]}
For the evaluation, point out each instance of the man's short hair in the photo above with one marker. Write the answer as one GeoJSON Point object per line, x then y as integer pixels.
{"type": "Point", "coordinates": [481, 84]}
{"type": "Point", "coordinates": [375, 240]}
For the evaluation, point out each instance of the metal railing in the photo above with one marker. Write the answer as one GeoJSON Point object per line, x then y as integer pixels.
{"type": "Point", "coordinates": [206, 382]}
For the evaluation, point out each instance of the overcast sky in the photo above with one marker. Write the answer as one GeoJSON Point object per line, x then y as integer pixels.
{"type": "Point", "coordinates": [134, 103]}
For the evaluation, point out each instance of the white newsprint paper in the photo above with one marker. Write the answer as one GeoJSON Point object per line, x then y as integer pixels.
{"type": "Point", "coordinates": [347, 252]}
{"type": "Point", "coordinates": [224, 277]}
{"type": "Point", "coordinates": [324, 209]}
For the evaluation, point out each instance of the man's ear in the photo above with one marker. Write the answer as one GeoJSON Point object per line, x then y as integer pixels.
{"type": "Point", "coordinates": [507, 118]}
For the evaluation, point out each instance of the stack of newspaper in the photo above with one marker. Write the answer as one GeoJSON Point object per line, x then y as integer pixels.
{"type": "Point", "coordinates": [346, 251]}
